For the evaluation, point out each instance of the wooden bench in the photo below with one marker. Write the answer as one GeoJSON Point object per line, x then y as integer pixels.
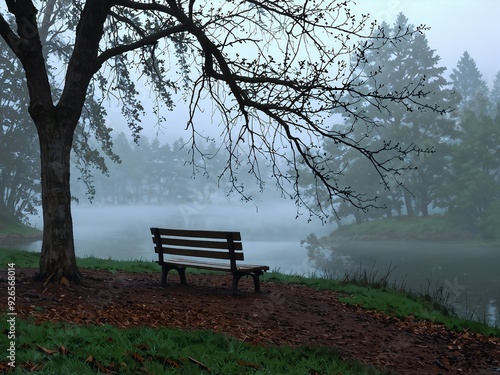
{"type": "Point", "coordinates": [203, 249]}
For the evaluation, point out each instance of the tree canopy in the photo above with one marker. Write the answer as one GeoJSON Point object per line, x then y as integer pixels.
{"type": "Point", "coordinates": [404, 180]}
{"type": "Point", "coordinates": [276, 73]}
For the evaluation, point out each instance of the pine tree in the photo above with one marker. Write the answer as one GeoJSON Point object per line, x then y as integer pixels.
{"type": "Point", "coordinates": [495, 94]}
{"type": "Point", "coordinates": [409, 63]}
{"type": "Point", "coordinates": [468, 82]}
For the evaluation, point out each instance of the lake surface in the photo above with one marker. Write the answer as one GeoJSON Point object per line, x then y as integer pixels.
{"type": "Point", "coordinates": [271, 236]}
{"type": "Point", "coordinates": [469, 275]}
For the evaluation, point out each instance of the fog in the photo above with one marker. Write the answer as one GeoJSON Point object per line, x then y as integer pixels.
{"type": "Point", "coordinates": [271, 234]}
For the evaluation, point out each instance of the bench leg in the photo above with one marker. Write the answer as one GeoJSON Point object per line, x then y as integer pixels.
{"type": "Point", "coordinates": [182, 274]}
{"type": "Point", "coordinates": [164, 273]}
{"type": "Point", "coordinates": [165, 270]}
{"type": "Point", "coordinates": [234, 289]}
{"type": "Point", "coordinates": [256, 282]}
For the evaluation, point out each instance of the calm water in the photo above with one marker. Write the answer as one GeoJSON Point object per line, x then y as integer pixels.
{"type": "Point", "coordinates": [271, 236]}
{"type": "Point", "coordinates": [470, 275]}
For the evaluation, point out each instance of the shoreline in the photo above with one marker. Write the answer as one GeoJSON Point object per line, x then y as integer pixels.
{"type": "Point", "coordinates": [10, 239]}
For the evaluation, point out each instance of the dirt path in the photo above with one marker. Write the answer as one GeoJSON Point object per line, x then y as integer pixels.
{"type": "Point", "coordinates": [281, 314]}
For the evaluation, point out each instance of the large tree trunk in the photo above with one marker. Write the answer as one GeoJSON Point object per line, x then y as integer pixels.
{"type": "Point", "coordinates": [56, 124]}
{"type": "Point", "coordinates": [57, 258]}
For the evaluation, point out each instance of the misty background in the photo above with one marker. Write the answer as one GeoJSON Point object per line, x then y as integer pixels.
{"type": "Point", "coordinates": [159, 181]}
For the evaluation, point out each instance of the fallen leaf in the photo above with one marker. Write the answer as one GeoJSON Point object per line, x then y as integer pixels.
{"type": "Point", "coordinates": [47, 351]}
{"type": "Point", "coordinates": [92, 361]}
{"type": "Point", "coordinates": [137, 357]}
{"type": "Point", "coordinates": [142, 346]}
{"type": "Point", "coordinates": [248, 364]}
{"type": "Point", "coordinates": [167, 361]}
{"type": "Point", "coordinates": [63, 350]}
{"type": "Point", "coordinates": [31, 367]}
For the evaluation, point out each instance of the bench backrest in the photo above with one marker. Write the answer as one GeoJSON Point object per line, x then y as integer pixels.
{"type": "Point", "coordinates": [198, 243]}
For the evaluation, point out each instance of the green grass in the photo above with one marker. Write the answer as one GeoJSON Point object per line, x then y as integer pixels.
{"type": "Point", "coordinates": [22, 259]}
{"type": "Point", "coordinates": [26, 259]}
{"type": "Point", "coordinates": [74, 349]}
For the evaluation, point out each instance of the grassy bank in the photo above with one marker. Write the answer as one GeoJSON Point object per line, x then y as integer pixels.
{"type": "Point", "coordinates": [13, 230]}
{"type": "Point", "coordinates": [432, 228]}
{"type": "Point", "coordinates": [377, 294]}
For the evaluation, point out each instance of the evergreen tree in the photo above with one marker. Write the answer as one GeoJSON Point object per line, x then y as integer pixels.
{"type": "Point", "coordinates": [408, 64]}
{"type": "Point", "coordinates": [472, 188]}
{"type": "Point", "coordinates": [468, 82]}
{"type": "Point", "coordinates": [495, 94]}
{"type": "Point", "coordinates": [474, 183]}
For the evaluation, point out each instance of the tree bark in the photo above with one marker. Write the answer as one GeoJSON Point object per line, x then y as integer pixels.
{"type": "Point", "coordinates": [57, 259]}
{"type": "Point", "coordinates": [56, 126]}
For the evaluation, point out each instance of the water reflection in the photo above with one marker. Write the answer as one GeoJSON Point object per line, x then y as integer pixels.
{"type": "Point", "coordinates": [468, 274]}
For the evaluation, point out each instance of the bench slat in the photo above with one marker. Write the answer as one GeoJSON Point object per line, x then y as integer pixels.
{"type": "Point", "coordinates": [214, 265]}
{"type": "Point", "coordinates": [193, 263]}
{"type": "Point", "coordinates": [198, 233]}
{"type": "Point", "coordinates": [198, 243]}
{"type": "Point", "coordinates": [200, 253]}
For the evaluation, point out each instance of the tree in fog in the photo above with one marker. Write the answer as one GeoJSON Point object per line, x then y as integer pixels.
{"type": "Point", "coordinates": [474, 183]}
{"type": "Point", "coordinates": [473, 186]}
{"type": "Point", "coordinates": [19, 153]}
{"type": "Point", "coordinates": [152, 172]}
{"type": "Point", "coordinates": [407, 64]}
{"type": "Point", "coordinates": [468, 82]}
{"type": "Point", "coordinates": [495, 93]}
{"type": "Point", "coordinates": [412, 62]}
{"type": "Point", "coordinates": [275, 71]}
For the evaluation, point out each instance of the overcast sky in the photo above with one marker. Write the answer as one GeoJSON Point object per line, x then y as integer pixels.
{"type": "Point", "coordinates": [456, 26]}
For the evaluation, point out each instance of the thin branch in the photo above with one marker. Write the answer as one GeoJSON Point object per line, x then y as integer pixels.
{"type": "Point", "coordinates": [150, 40]}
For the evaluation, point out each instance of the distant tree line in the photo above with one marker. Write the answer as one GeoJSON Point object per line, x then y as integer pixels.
{"type": "Point", "coordinates": [460, 175]}
{"type": "Point", "coordinates": [151, 172]}
{"type": "Point", "coordinates": [19, 161]}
